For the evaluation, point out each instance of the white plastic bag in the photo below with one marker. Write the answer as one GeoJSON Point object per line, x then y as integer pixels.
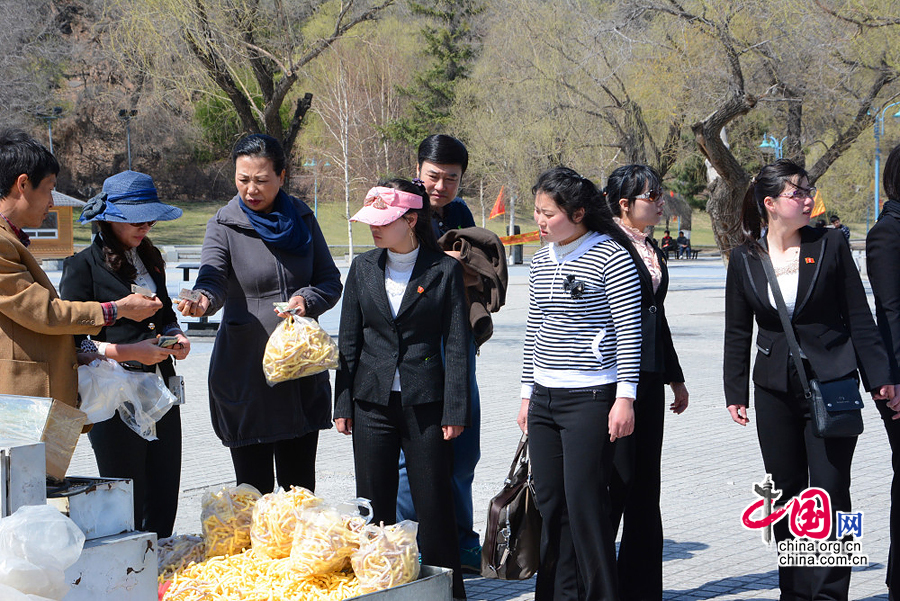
{"type": "Point", "coordinates": [146, 400]}
{"type": "Point", "coordinates": [100, 387]}
{"type": "Point", "coordinates": [37, 544]}
{"type": "Point", "coordinates": [142, 398]}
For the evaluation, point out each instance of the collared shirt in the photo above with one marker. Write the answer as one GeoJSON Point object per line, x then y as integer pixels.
{"type": "Point", "coordinates": [645, 251]}
{"type": "Point", "coordinates": [23, 237]}
{"type": "Point", "coordinates": [454, 215]}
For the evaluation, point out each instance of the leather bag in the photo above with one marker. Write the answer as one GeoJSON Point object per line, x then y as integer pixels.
{"type": "Point", "coordinates": [512, 539]}
{"type": "Point", "coordinates": [835, 406]}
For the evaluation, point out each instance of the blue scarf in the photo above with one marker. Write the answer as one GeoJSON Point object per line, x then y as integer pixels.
{"type": "Point", "coordinates": [282, 227]}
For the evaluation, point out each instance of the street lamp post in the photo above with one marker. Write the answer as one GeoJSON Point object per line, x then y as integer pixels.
{"type": "Point", "coordinates": [878, 129]}
{"type": "Point", "coordinates": [771, 144]}
{"type": "Point", "coordinates": [50, 117]}
{"type": "Point", "coordinates": [315, 165]}
{"type": "Point", "coordinates": [126, 116]}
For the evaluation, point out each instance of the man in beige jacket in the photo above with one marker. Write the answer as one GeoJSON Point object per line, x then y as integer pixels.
{"type": "Point", "coordinates": [37, 348]}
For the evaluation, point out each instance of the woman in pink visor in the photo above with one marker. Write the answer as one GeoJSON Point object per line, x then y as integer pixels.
{"type": "Point", "coordinates": [403, 381]}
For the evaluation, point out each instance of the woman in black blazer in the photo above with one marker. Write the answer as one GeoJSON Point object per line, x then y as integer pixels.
{"type": "Point", "coordinates": [122, 255]}
{"type": "Point", "coordinates": [634, 195]}
{"type": "Point", "coordinates": [883, 267]}
{"type": "Point", "coordinates": [403, 380]}
{"type": "Point", "coordinates": [837, 335]}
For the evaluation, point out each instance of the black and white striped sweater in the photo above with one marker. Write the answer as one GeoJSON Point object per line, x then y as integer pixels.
{"type": "Point", "coordinates": [588, 341]}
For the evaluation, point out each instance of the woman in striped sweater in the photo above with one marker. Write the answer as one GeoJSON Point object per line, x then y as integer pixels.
{"type": "Point", "coordinates": [579, 381]}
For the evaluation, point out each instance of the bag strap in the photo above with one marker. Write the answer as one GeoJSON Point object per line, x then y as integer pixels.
{"type": "Point", "coordinates": [786, 323]}
{"type": "Point", "coordinates": [521, 456]}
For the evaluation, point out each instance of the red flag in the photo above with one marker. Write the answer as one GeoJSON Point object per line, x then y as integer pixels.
{"type": "Point", "coordinates": [499, 206]}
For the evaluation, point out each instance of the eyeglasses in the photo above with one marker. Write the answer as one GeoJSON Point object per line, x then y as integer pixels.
{"type": "Point", "coordinates": [652, 196]}
{"type": "Point", "coordinates": [140, 224]}
{"type": "Point", "coordinates": [799, 193]}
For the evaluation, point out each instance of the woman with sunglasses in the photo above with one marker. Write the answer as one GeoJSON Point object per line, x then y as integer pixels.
{"type": "Point", "coordinates": [121, 255]}
{"type": "Point", "coordinates": [579, 381]}
{"type": "Point", "coordinates": [830, 316]}
{"type": "Point", "coordinates": [634, 196]}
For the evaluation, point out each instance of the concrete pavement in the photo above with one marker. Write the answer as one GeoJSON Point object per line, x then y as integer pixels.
{"type": "Point", "coordinates": [709, 463]}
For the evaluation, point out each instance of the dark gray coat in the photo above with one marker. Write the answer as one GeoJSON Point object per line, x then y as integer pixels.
{"type": "Point", "coordinates": [243, 274]}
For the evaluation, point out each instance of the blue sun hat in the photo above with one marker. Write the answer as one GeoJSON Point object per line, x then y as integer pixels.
{"type": "Point", "coordinates": [128, 197]}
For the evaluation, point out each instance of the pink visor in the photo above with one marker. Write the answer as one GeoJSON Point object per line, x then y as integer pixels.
{"type": "Point", "coordinates": [385, 205]}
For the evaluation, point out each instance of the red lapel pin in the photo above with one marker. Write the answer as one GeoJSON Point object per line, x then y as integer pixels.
{"type": "Point", "coordinates": [810, 260]}
{"type": "Point", "coordinates": [420, 290]}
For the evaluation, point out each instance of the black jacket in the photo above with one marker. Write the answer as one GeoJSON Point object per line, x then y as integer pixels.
{"type": "Point", "coordinates": [373, 344]}
{"type": "Point", "coordinates": [831, 320]}
{"type": "Point", "coordinates": [657, 350]}
{"type": "Point", "coordinates": [883, 267]}
{"type": "Point", "coordinates": [86, 277]}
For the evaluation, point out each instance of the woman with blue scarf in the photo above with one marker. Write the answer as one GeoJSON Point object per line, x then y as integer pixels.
{"type": "Point", "coordinates": [264, 247]}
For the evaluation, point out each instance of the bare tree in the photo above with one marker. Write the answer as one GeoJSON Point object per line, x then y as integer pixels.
{"type": "Point", "coordinates": [252, 51]}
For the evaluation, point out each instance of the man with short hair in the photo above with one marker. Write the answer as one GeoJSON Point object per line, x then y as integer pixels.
{"type": "Point", "coordinates": [442, 161]}
{"type": "Point", "coordinates": [37, 348]}
{"type": "Point", "coordinates": [836, 224]}
{"type": "Point", "coordinates": [683, 246]}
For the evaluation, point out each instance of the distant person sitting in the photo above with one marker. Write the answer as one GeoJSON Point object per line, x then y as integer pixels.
{"type": "Point", "coordinates": [836, 224]}
{"type": "Point", "coordinates": [667, 244]}
{"type": "Point", "coordinates": [683, 246]}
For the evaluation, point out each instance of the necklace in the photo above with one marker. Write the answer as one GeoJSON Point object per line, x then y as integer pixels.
{"type": "Point", "coordinates": [788, 263]}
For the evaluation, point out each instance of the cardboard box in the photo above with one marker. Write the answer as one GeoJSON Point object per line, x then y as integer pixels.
{"type": "Point", "coordinates": [40, 419]}
{"type": "Point", "coordinates": [99, 506]}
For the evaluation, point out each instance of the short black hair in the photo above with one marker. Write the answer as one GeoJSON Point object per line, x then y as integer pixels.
{"type": "Point", "coordinates": [835, 218]}
{"type": "Point", "coordinates": [20, 153]}
{"type": "Point", "coordinates": [442, 149]}
{"type": "Point", "coordinates": [628, 182]}
{"type": "Point", "coordinates": [263, 146]}
{"type": "Point", "coordinates": [892, 174]}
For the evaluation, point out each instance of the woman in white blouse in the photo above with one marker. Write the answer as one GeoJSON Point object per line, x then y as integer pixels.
{"type": "Point", "coordinates": [635, 198]}
{"type": "Point", "coordinates": [838, 339]}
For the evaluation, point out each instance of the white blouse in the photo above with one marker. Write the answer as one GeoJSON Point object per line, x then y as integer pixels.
{"type": "Point", "coordinates": [397, 271]}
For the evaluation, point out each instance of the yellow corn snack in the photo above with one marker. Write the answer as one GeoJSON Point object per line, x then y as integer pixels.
{"type": "Point", "coordinates": [226, 516]}
{"type": "Point", "coordinates": [175, 553]}
{"type": "Point", "coordinates": [275, 516]}
{"type": "Point", "coordinates": [324, 540]}
{"type": "Point", "coordinates": [387, 556]}
{"type": "Point", "coordinates": [297, 348]}
{"type": "Point", "coordinates": [253, 576]}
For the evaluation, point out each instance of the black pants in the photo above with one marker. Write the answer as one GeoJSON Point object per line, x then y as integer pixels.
{"type": "Point", "coordinates": [294, 463]}
{"type": "Point", "coordinates": [379, 432]}
{"type": "Point", "coordinates": [634, 494]}
{"type": "Point", "coordinates": [153, 466]}
{"type": "Point", "coordinates": [798, 460]}
{"type": "Point", "coordinates": [571, 458]}
{"type": "Point", "coordinates": [893, 563]}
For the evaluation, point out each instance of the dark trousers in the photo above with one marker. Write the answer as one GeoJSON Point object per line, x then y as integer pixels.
{"type": "Point", "coordinates": [294, 463]}
{"type": "Point", "coordinates": [571, 458]}
{"type": "Point", "coordinates": [379, 433]}
{"type": "Point", "coordinates": [154, 467]}
{"type": "Point", "coordinates": [798, 460]}
{"type": "Point", "coordinates": [893, 563]}
{"type": "Point", "coordinates": [634, 494]}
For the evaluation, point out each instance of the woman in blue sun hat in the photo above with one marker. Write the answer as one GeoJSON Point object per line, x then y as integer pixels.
{"type": "Point", "coordinates": [122, 255]}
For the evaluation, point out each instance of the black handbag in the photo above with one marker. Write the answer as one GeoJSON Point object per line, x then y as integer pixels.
{"type": "Point", "coordinates": [834, 406]}
{"type": "Point", "coordinates": [512, 539]}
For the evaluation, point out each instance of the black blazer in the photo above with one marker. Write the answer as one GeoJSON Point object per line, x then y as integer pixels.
{"type": "Point", "coordinates": [86, 277]}
{"type": "Point", "coordinates": [883, 267]}
{"type": "Point", "coordinates": [657, 350]}
{"type": "Point", "coordinates": [831, 319]}
{"type": "Point", "coordinates": [373, 344]}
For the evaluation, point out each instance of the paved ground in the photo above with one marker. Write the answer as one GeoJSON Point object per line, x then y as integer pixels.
{"type": "Point", "coordinates": [709, 462]}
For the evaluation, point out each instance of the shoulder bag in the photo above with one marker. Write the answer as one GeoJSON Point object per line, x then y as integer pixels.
{"type": "Point", "coordinates": [512, 539]}
{"type": "Point", "coordinates": [835, 406]}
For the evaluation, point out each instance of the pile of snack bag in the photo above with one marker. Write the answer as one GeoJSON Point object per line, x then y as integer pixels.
{"type": "Point", "coordinates": [286, 545]}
